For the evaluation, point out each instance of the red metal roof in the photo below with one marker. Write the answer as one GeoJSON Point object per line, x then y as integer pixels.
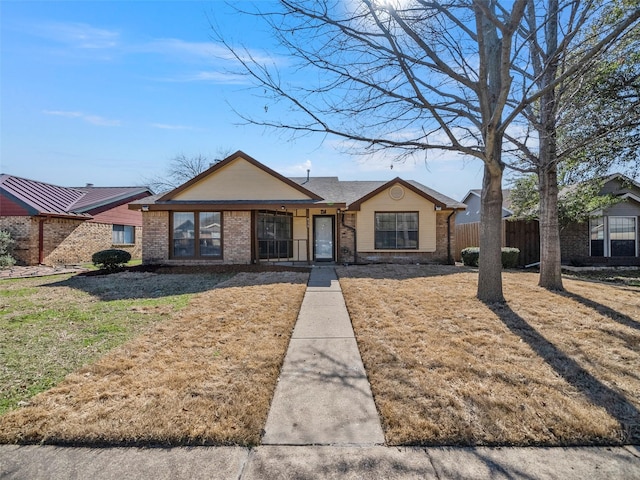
{"type": "Point", "coordinates": [41, 198]}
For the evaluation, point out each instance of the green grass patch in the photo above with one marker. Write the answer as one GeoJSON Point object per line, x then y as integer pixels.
{"type": "Point", "coordinates": [51, 326]}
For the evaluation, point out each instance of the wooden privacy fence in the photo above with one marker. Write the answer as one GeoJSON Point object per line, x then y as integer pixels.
{"type": "Point", "coordinates": [521, 234]}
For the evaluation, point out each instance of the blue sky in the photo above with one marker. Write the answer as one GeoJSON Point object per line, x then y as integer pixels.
{"type": "Point", "coordinates": [107, 92]}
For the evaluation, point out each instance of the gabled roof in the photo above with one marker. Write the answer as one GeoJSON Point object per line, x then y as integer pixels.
{"type": "Point", "coordinates": [40, 198]}
{"type": "Point", "coordinates": [231, 158]}
{"type": "Point", "coordinates": [355, 192]}
{"type": "Point", "coordinates": [506, 198]}
{"type": "Point", "coordinates": [316, 191]}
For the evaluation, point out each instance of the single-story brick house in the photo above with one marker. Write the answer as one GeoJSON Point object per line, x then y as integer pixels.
{"type": "Point", "coordinates": [611, 236]}
{"type": "Point", "coordinates": [55, 225]}
{"type": "Point", "coordinates": [239, 211]}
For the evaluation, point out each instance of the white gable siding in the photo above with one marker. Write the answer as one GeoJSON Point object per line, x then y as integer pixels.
{"type": "Point", "coordinates": [240, 180]}
{"type": "Point", "coordinates": [411, 202]}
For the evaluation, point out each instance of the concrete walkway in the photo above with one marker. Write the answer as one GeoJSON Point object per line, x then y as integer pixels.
{"type": "Point", "coordinates": [323, 396]}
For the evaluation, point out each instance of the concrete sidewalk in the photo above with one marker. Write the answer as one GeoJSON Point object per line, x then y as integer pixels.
{"type": "Point", "coordinates": [323, 396]}
{"type": "Point", "coordinates": [321, 462]}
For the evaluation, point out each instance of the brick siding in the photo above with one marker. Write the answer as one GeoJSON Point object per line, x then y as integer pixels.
{"type": "Point", "coordinates": [155, 237]}
{"type": "Point", "coordinates": [574, 241]}
{"type": "Point", "coordinates": [347, 238]}
{"type": "Point", "coordinates": [236, 237]}
{"type": "Point", "coordinates": [66, 241]}
{"type": "Point", "coordinates": [24, 230]}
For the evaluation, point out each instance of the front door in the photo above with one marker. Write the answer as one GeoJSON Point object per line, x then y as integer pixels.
{"type": "Point", "coordinates": [323, 226]}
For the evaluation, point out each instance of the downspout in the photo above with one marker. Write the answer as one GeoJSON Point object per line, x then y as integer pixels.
{"type": "Point", "coordinates": [41, 240]}
{"type": "Point", "coordinates": [355, 239]}
{"type": "Point", "coordinates": [450, 260]}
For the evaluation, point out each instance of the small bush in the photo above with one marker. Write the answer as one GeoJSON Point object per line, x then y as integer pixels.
{"type": "Point", "coordinates": [471, 255]}
{"type": "Point", "coordinates": [6, 248]}
{"type": "Point", "coordinates": [510, 257]}
{"type": "Point", "coordinates": [111, 259]}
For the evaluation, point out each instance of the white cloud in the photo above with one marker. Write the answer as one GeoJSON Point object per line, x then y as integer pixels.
{"type": "Point", "coordinates": [297, 170]}
{"type": "Point", "coordinates": [89, 118]}
{"type": "Point", "coordinates": [210, 77]}
{"type": "Point", "coordinates": [165, 126]}
{"type": "Point", "coordinates": [77, 35]}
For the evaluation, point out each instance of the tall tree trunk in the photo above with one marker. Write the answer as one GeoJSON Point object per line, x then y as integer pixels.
{"type": "Point", "coordinates": [550, 270]}
{"type": "Point", "coordinates": [490, 261]}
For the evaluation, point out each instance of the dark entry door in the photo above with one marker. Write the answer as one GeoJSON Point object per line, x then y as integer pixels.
{"type": "Point", "coordinates": [323, 238]}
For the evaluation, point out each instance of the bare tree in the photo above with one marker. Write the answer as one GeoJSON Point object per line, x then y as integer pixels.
{"type": "Point", "coordinates": [182, 169]}
{"type": "Point", "coordinates": [478, 77]}
{"type": "Point", "coordinates": [406, 76]}
{"type": "Point", "coordinates": [565, 42]}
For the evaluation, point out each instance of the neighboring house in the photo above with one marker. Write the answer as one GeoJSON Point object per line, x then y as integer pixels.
{"type": "Point", "coordinates": [55, 225]}
{"type": "Point", "coordinates": [611, 236]}
{"type": "Point", "coordinates": [472, 201]}
{"type": "Point", "coordinates": [239, 211]}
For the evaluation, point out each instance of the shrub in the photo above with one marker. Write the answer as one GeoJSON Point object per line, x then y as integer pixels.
{"type": "Point", "coordinates": [111, 259]}
{"type": "Point", "coordinates": [470, 256]}
{"type": "Point", "coordinates": [510, 257]}
{"type": "Point", "coordinates": [6, 248]}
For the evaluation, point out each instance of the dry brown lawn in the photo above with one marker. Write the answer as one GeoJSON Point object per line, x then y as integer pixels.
{"type": "Point", "coordinates": [545, 369]}
{"type": "Point", "coordinates": [205, 376]}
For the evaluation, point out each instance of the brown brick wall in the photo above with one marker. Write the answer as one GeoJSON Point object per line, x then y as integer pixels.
{"type": "Point", "coordinates": [24, 231]}
{"type": "Point", "coordinates": [347, 238]}
{"type": "Point", "coordinates": [236, 237]}
{"type": "Point", "coordinates": [574, 241]}
{"type": "Point", "coordinates": [155, 237]}
{"type": "Point", "coordinates": [66, 241]}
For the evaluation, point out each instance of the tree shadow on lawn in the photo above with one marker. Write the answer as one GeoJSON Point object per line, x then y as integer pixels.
{"type": "Point", "coordinates": [609, 312]}
{"type": "Point", "coordinates": [613, 402]}
{"type": "Point", "coordinates": [137, 285]}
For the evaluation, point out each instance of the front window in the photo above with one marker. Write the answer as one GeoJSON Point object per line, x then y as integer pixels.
{"type": "Point", "coordinates": [197, 234]}
{"type": "Point", "coordinates": [123, 235]}
{"type": "Point", "coordinates": [622, 234]}
{"type": "Point", "coordinates": [396, 230]}
{"type": "Point", "coordinates": [275, 235]}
